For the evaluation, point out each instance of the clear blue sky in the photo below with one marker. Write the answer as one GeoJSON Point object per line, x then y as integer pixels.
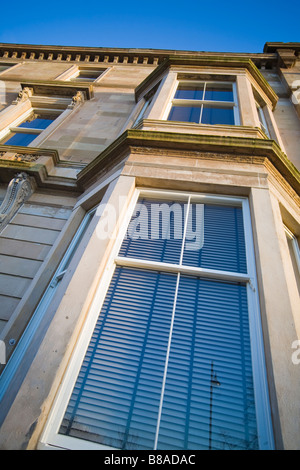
{"type": "Point", "coordinates": [221, 26]}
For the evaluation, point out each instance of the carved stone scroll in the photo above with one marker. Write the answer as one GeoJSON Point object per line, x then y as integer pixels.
{"type": "Point", "coordinates": [19, 157]}
{"type": "Point", "coordinates": [77, 99]}
{"type": "Point", "coordinates": [23, 95]}
{"type": "Point", "coordinates": [19, 190]}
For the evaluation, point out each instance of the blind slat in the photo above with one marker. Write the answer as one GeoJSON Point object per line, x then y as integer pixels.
{"type": "Point", "coordinates": [189, 379]}
{"type": "Point", "coordinates": [125, 394]}
{"type": "Point", "coordinates": [214, 236]}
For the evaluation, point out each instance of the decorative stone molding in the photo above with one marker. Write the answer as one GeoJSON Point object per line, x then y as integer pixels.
{"type": "Point", "coordinates": [91, 55]}
{"type": "Point", "coordinates": [287, 58]}
{"type": "Point", "coordinates": [221, 156]}
{"type": "Point", "coordinates": [77, 99]}
{"type": "Point", "coordinates": [25, 154]}
{"type": "Point", "coordinates": [24, 94]}
{"type": "Point", "coordinates": [236, 148]}
{"type": "Point", "coordinates": [57, 88]}
{"type": "Point", "coordinates": [19, 190]}
{"type": "Point", "coordinates": [19, 157]}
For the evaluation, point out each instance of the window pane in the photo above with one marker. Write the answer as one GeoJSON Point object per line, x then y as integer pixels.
{"type": "Point", "coordinates": [20, 139]}
{"type": "Point", "coordinates": [217, 116]}
{"type": "Point", "coordinates": [185, 114]}
{"type": "Point", "coordinates": [37, 123]}
{"type": "Point", "coordinates": [262, 121]}
{"type": "Point", "coordinates": [117, 394]}
{"type": "Point", "coordinates": [189, 92]}
{"type": "Point", "coordinates": [4, 67]}
{"type": "Point", "coordinates": [210, 336]}
{"type": "Point", "coordinates": [215, 240]}
{"type": "Point", "coordinates": [155, 231]}
{"type": "Point", "coordinates": [292, 244]}
{"type": "Point", "coordinates": [219, 92]}
{"type": "Point", "coordinates": [87, 75]}
{"type": "Point", "coordinates": [143, 111]}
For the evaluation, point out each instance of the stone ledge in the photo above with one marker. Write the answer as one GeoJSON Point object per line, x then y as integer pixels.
{"type": "Point", "coordinates": [200, 129]}
{"type": "Point", "coordinates": [42, 164]}
{"type": "Point", "coordinates": [235, 147]}
{"type": "Point", "coordinates": [57, 88]}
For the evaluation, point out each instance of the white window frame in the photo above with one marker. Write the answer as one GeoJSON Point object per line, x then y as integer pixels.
{"type": "Point", "coordinates": [295, 246]}
{"type": "Point", "coordinates": [13, 126]}
{"type": "Point", "coordinates": [147, 101]}
{"type": "Point", "coordinates": [212, 103]}
{"type": "Point", "coordinates": [50, 437]}
{"type": "Point", "coordinates": [102, 71]}
{"type": "Point", "coordinates": [9, 67]}
{"type": "Point", "coordinates": [74, 70]}
{"type": "Point", "coordinates": [262, 119]}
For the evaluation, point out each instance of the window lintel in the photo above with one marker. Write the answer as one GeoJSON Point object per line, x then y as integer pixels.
{"type": "Point", "coordinates": [58, 88]}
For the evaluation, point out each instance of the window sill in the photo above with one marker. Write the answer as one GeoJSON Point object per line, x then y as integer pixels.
{"type": "Point", "coordinates": [201, 129]}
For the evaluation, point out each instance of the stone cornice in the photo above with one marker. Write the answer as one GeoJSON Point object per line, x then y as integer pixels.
{"type": "Point", "coordinates": [270, 47]}
{"type": "Point", "coordinates": [233, 146]}
{"type": "Point", "coordinates": [214, 61]}
{"type": "Point", "coordinates": [13, 152]}
{"type": "Point", "coordinates": [57, 87]}
{"type": "Point", "coordinates": [287, 52]}
{"type": "Point", "coordinates": [107, 55]}
{"type": "Point", "coordinates": [37, 163]}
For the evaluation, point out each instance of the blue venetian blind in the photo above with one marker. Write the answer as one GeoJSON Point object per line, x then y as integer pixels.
{"type": "Point", "coordinates": [210, 336]}
{"type": "Point", "coordinates": [214, 239]}
{"type": "Point", "coordinates": [155, 231]}
{"type": "Point", "coordinates": [208, 399]}
{"type": "Point", "coordinates": [223, 245]}
{"type": "Point", "coordinates": [116, 397]}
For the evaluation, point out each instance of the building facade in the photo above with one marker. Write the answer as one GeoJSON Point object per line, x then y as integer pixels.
{"type": "Point", "coordinates": [149, 248]}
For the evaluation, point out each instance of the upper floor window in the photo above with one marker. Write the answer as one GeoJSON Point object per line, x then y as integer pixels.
{"type": "Point", "coordinates": [25, 132]}
{"type": "Point", "coordinates": [205, 103]}
{"type": "Point", "coordinates": [262, 120]}
{"type": "Point", "coordinates": [294, 252]}
{"type": "Point", "coordinates": [148, 98]}
{"type": "Point", "coordinates": [87, 74]}
{"type": "Point", "coordinates": [39, 111]}
{"type": "Point", "coordinates": [4, 66]}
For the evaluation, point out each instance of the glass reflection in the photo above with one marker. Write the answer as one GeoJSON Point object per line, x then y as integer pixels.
{"type": "Point", "coordinates": [185, 114]}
